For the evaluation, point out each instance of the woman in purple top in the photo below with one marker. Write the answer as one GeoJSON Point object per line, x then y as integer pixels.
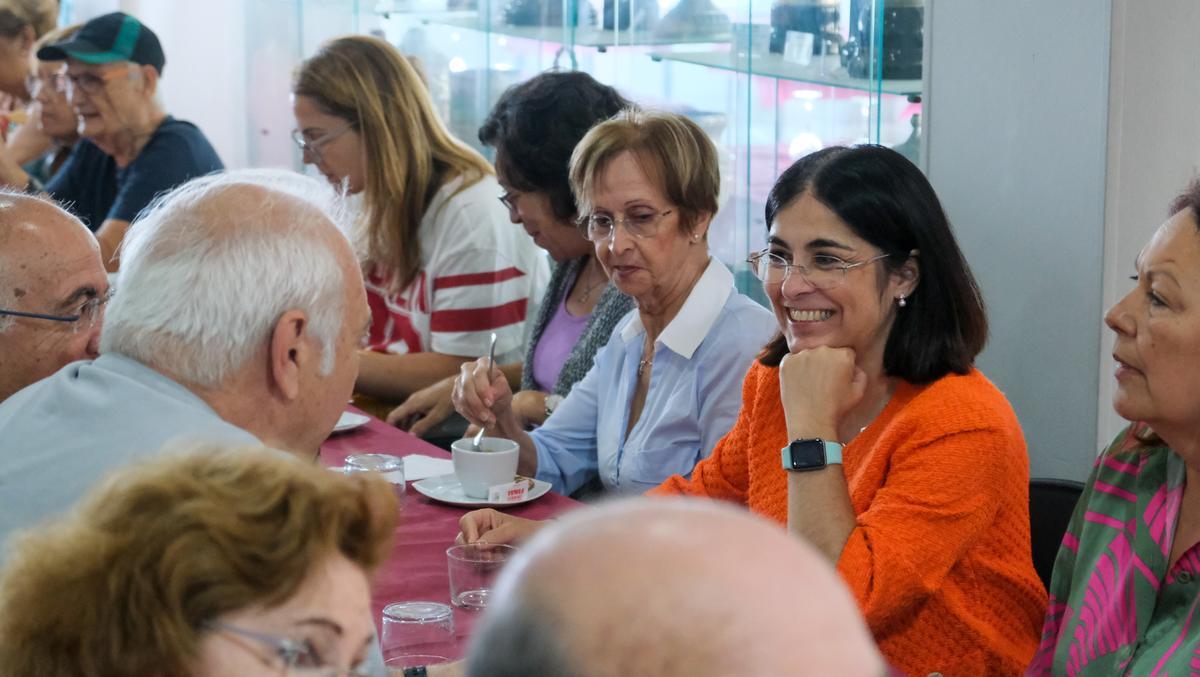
{"type": "Point", "coordinates": [1125, 595]}
{"type": "Point", "coordinates": [554, 346]}
{"type": "Point", "coordinates": [534, 127]}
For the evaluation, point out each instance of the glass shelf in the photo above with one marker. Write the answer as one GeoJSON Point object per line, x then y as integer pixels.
{"type": "Point", "coordinates": [824, 70]}
{"type": "Point", "coordinates": [762, 112]}
{"type": "Point", "coordinates": [579, 36]}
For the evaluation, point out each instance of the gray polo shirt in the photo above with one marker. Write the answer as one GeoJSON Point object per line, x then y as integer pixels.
{"type": "Point", "coordinates": [59, 436]}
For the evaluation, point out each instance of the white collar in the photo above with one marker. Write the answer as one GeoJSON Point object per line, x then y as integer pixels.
{"type": "Point", "coordinates": [703, 305]}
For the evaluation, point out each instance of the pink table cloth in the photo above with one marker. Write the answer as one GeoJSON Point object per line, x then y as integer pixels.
{"type": "Point", "coordinates": [416, 570]}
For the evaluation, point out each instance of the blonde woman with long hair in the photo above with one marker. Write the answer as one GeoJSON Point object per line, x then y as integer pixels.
{"type": "Point", "coordinates": [443, 266]}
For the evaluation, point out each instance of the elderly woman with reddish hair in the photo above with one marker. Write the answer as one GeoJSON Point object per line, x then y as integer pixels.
{"type": "Point", "coordinates": [219, 562]}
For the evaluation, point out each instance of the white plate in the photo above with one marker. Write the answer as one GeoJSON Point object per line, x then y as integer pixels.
{"type": "Point", "coordinates": [350, 421]}
{"type": "Point", "coordinates": [445, 488]}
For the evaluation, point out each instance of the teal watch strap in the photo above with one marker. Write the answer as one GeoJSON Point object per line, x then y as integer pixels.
{"type": "Point", "coordinates": [810, 454]}
{"type": "Point", "coordinates": [833, 452]}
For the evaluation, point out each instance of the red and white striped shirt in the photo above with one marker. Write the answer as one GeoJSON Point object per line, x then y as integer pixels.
{"type": "Point", "coordinates": [479, 273]}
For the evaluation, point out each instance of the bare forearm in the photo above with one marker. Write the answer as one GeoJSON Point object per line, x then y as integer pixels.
{"type": "Point", "coordinates": [395, 377]}
{"type": "Point", "coordinates": [819, 509]}
{"type": "Point", "coordinates": [11, 173]}
{"type": "Point", "coordinates": [110, 235]}
{"type": "Point", "coordinates": [28, 143]}
{"type": "Point", "coordinates": [513, 373]}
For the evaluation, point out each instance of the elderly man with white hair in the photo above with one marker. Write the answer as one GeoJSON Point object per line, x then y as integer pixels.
{"type": "Point", "coordinates": [238, 317]}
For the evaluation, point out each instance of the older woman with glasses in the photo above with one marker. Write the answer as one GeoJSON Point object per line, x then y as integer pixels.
{"type": "Point", "coordinates": [865, 427]}
{"type": "Point", "coordinates": [47, 133]}
{"type": "Point", "coordinates": [43, 145]}
{"type": "Point", "coordinates": [218, 562]}
{"type": "Point", "coordinates": [665, 387]}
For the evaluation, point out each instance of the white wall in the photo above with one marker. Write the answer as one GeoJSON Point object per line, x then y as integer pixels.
{"type": "Point", "coordinates": [1153, 144]}
{"type": "Point", "coordinates": [1017, 118]}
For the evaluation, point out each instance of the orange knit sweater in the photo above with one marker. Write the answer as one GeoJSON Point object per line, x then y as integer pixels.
{"type": "Point", "coordinates": [939, 560]}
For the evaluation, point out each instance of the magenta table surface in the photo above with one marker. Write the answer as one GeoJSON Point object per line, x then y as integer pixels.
{"type": "Point", "coordinates": [416, 569]}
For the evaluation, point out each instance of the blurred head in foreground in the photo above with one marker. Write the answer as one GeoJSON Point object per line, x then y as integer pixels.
{"type": "Point", "coordinates": [217, 562]}
{"type": "Point", "coordinates": [689, 588]}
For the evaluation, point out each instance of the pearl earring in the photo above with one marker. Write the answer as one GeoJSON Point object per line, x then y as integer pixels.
{"type": "Point", "coordinates": [901, 301]}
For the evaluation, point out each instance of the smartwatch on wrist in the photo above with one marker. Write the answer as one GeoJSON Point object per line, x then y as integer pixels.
{"type": "Point", "coordinates": [552, 402]}
{"type": "Point", "coordinates": [811, 454]}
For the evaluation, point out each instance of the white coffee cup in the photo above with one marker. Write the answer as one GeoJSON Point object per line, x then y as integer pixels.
{"type": "Point", "coordinates": [478, 469]}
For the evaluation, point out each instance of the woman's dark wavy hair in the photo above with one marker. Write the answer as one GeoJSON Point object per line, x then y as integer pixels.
{"type": "Point", "coordinates": [888, 202]}
{"type": "Point", "coordinates": [536, 124]}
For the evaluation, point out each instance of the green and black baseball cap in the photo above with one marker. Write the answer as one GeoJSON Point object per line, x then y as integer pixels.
{"type": "Point", "coordinates": [108, 38]}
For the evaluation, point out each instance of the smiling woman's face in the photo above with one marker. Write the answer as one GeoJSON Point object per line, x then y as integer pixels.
{"type": "Point", "coordinates": [859, 311]}
{"type": "Point", "coordinates": [1157, 349]}
{"type": "Point", "coordinates": [329, 613]}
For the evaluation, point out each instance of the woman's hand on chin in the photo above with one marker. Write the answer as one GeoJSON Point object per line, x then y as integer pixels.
{"type": "Point", "coordinates": [818, 387]}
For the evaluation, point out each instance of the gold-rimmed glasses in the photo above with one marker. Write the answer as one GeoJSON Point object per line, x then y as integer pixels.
{"type": "Point", "coordinates": [640, 223]}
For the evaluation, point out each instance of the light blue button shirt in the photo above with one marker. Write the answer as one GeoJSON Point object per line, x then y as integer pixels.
{"type": "Point", "coordinates": [700, 359]}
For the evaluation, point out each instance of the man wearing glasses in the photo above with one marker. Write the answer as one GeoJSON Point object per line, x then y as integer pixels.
{"type": "Point", "coordinates": [131, 149]}
{"type": "Point", "coordinates": [52, 291]}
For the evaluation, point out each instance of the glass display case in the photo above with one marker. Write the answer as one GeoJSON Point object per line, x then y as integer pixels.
{"type": "Point", "coordinates": [769, 80]}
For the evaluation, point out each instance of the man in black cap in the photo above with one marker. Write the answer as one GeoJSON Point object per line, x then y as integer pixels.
{"type": "Point", "coordinates": [131, 149]}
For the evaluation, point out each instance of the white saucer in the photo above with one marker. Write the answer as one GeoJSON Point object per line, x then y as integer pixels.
{"type": "Point", "coordinates": [350, 421]}
{"type": "Point", "coordinates": [445, 488]}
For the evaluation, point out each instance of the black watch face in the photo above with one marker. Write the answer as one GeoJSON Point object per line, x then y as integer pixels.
{"type": "Point", "coordinates": [807, 454]}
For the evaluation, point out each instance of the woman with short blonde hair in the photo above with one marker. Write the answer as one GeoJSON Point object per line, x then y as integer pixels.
{"type": "Point", "coordinates": [444, 269]}
{"type": "Point", "coordinates": [203, 564]}
{"type": "Point", "coordinates": [670, 148]}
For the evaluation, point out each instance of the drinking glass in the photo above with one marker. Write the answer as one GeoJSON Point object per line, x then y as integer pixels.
{"type": "Point", "coordinates": [473, 571]}
{"type": "Point", "coordinates": [390, 467]}
{"type": "Point", "coordinates": [417, 633]}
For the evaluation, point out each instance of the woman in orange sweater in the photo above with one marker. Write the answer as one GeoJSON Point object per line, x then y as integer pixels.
{"type": "Point", "coordinates": [900, 461]}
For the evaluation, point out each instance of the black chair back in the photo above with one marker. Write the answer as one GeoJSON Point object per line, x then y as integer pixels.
{"type": "Point", "coordinates": [1051, 503]}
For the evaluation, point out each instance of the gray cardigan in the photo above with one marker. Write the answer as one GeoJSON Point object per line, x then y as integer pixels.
{"type": "Point", "coordinates": [612, 306]}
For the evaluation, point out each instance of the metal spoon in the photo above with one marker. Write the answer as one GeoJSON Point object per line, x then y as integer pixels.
{"type": "Point", "coordinates": [491, 363]}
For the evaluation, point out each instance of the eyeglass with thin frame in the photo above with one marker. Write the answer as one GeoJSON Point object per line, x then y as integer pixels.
{"type": "Point", "coordinates": [92, 83]}
{"type": "Point", "coordinates": [640, 224]}
{"type": "Point", "coordinates": [56, 82]}
{"type": "Point", "coordinates": [82, 320]}
{"type": "Point", "coordinates": [313, 147]}
{"type": "Point", "coordinates": [300, 658]}
{"type": "Point", "coordinates": [509, 199]}
{"type": "Point", "coordinates": [824, 271]}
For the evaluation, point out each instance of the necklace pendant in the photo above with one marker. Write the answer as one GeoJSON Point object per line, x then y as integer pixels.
{"type": "Point", "coordinates": [643, 364]}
